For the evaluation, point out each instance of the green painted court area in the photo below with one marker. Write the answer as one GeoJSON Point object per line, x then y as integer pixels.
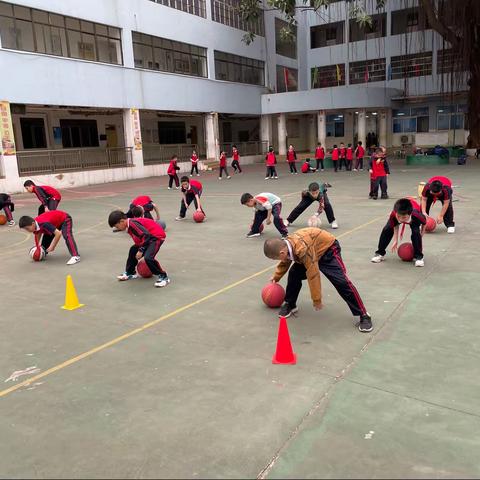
{"type": "Point", "coordinates": [178, 382]}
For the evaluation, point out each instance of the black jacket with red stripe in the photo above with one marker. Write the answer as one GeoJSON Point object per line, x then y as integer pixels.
{"type": "Point", "coordinates": [145, 231]}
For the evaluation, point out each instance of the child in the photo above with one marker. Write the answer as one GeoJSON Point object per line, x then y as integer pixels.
{"type": "Point", "coordinates": [379, 170]}
{"type": "Point", "coordinates": [8, 207]}
{"type": "Point", "coordinates": [51, 226]}
{"type": "Point", "coordinates": [48, 196]}
{"type": "Point", "coordinates": [270, 162]}
{"type": "Point", "coordinates": [314, 194]}
{"type": "Point", "coordinates": [342, 154]}
{"type": "Point", "coordinates": [236, 160]}
{"type": "Point", "coordinates": [439, 188]}
{"type": "Point", "coordinates": [349, 157]}
{"type": "Point", "coordinates": [306, 168]}
{"type": "Point", "coordinates": [148, 236]}
{"type": "Point", "coordinates": [191, 192]}
{"type": "Point", "coordinates": [310, 251]}
{"type": "Point", "coordinates": [194, 160]}
{"type": "Point", "coordinates": [223, 165]}
{"type": "Point", "coordinates": [291, 159]}
{"type": "Point", "coordinates": [146, 204]}
{"type": "Point", "coordinates": [172, 173]}
{"type": "Point", "coordinates": [406, 211]}
{"type": "Point", "coordinates": [335, 156]}
{"type": "Point", "coordinates": [266, 205]}
{"type": "Point", "coordinates": [319, 156]}
{"type": "Point", "coordinates": [359, 154]}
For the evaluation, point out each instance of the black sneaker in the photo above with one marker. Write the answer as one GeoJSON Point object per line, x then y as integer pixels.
{"type": "Point", "coordinates": [252, 234]}
{"type": "Point", "coordinates": [374, 197]}
{"type": "Point", "coordinates": [286, 310]}
{"type": "Point", "coordinates": [384, 197]}
{"type": "Point", "coordinates": [365, 324]}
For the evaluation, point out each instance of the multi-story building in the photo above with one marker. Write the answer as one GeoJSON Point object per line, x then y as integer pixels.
{"type": "Point", "coordinates": [103, 91]}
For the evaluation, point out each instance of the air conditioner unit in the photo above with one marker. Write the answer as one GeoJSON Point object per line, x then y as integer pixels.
{"type": "Point", "coordinates": [404, 138]}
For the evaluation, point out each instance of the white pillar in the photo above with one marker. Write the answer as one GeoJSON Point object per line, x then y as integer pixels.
{"type": "Point", "coordinates": [322, 127]}
{"type": "Point", "coordinates": [282, 134]}
{"type": "Point", "coordinates": [266, 129]}
{"type": "Point", "coordinates": [8, 157]}
{"type": "Point", "coordinates": [362, 127]}
{"type": "Point", "coordinates": [383, 128]}
{"type": "Point", "coordinates": [133, 137]}
{"type": "Point", "coordinates": [312, 134]}
{"type": "Point", "coordinates": [212, 136]}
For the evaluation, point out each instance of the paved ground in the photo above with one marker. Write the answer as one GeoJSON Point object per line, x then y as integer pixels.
{"type": "Point", "coordinates": [178, 382]}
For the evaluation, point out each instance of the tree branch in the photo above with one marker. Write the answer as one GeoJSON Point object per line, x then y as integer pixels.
{"type": "Point", "coordinates": [435, 22]}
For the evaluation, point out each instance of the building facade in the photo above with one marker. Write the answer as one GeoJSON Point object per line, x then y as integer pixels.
{"type": "Point", "coordinates": [103, 91]}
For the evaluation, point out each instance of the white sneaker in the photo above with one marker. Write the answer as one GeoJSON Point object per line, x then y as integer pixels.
{"type": "Point", "coordinates": [296, 173]}
{"type": "Point", "coordinates": [334, 224]}
{"type": "Point", "coordinates": [198, 174]}
{"type": "Point", "coordinates": [73, 261]}
{"type": "Point", "coordinates": [275, 177]}
{"type": "Point", "coordinates": [176, 188]}
{"type": "Point", "coordinates": [229, 176]}
{"type": "Point", "coordinates": [124, 277]}
{"type": "Point", "coordinates": [219, 178]}
{"type": "Point", "coordinates": [451, 230]}
{"type": "Point", "coordinates": [286, 223]}
{"type": "Point", "coordinates": [179, 218]}
{"type": "Point", "coordinates": [169, 188]}
{"type": "Point", "coordinates": [191, 175]}
{"type": "Point", "coordinates": [11, 223]}
{"type": "Point", "coordinates": [355, 170]}
{"type": "Point", "coordinates": [378, 258]}
{"type": "Point", "coordinates": [162, 281]}
{"type": "Point", "coordinates": [419, 263]}
{"type": "Point", "coordinates": [266, 178]}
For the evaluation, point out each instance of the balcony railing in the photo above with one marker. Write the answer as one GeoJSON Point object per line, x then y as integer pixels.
{"type": "Point", "coordinates": [245, 148]}
{"type": "Point", "coordinates": [154, 154]}
{"type": "Point", "coordinates": [72, 159]}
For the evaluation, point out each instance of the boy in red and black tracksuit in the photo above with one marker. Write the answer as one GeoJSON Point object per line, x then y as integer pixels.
{"type": "Point", "coordinates": [359, 154]}
{"type": "Point", "coordinates": [320, 156]}
{"type": "Point", "coordinates": [172, 173]}
{"type": "Point", "coordinates": [194, 160]}
{"type": "Point", "coordinates": [406, 211]}
{"type": "Point", "coordinates": [236, 160]}
{"type": "Point", "coordinates": [335, 157]}
{"type": "Point", "coordinates": [147, 205]}
{"type": "Point", "coordinates": [349, 157]}
{"type": "Point", "coordinates": [49, 197]}
{"type": "Point", "coordinates": [342, 153]}
{"type": "Point", "coordinates": [51, 226]}
{"type": "Point", "coordinates": [379, 170]}
{"type": "Point", "coordinates": [306, 168]}
{"type": "Point", "coordinates": [291, 159]}
{"type": "Point", "coordinates": [270, 162]}
{"type": "Point", "coordinates": [439, 188]}
{"type": "Point", "coordinates": [148, 236]}
{"type": "Point", "coordinates": [8, 207]}
{"type": "Point", "coordinates": [223, 165]}
{"type": "Point", "coordinates": [191, 191]}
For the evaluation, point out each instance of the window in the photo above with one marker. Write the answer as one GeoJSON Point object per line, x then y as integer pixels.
{"type": "Point", "coordinates": [172, 132]}
{"type": "Point", "coordinates": [451, 117]}
{"type": "Point", "coordinates": [234, 68]}
{"type": "Point", "coordinates": [415, 65]}
{"type": "Point", "coordinates": [369, 71]}
{"type": "Point", "coordinates": [228, 13]}
{"type": "Point", "coordinates": [410, 120]}
{"type": "Point", "coordinates": [155, 53]}
{"type": "Point", "coordinates": [195, 7]}
{"type": "Point", "coordinates": [448, 62]}
{"type": "Point", "coordinates": [329, 76]}
{"type": "Point", "coordinates": [285, 46]}
{"type": "Point", "coordinates": [376, 30]}
{"type": "Point", "coordinates": [335, 126]}
{"type": "Point", "coordinates": [326, 35]}
{"type": "Point", "coordinates": [33, 133]}
{"type": "Point", "coordinates": [408, 20]}
{"type": "Point", "coordinates": [38, 31]}
{"type": "Point", "coordinates": [287, 79]}
{"type": "Point", "coordinates": [79, 133]}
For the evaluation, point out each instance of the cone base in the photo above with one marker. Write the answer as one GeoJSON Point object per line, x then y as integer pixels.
{"type": "Point", "coordinates": [73, 308]}
{"type": "Point", "coordinates": [292, 362]}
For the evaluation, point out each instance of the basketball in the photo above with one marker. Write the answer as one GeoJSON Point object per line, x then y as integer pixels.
{"type": "Point", "coordinates": [143, 270]}
{"type": "Point", "coordinates": [431, 225]}
{"type": "Point", "coordinates": [162, 224]}
{"type": "Point", "coordinates": [314, 222]}
{"type": "Point", "coordinates": [37, 254]}
{"type": "Point", "coordinates": [273, 295]}
{"type": "Point", "coordinates": [405, 252]}
{"type": "Point", "coordinates": [260, 229]}
{"type": "Point", "coordinates": [198, 216]}
{"type": "Point", "coordinates": [3, 219]}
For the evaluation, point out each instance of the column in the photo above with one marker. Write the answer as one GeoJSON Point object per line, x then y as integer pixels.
{"type": "Point", "coordinates": [362, 127]}
{"type": "Point", "coordinates": [312, 134]}
{"type": "Point", "coordinates": [322, 127]}
{"type": "Point", "coordinates": [383, 128]}
{"type": "Point", "coordinates": [212, 136]}
{"type": "Point", "coordinates": [133, 138]}
{"type": "Point", "coordinates": [266, 130]}
{"type": "Point", "coordinates": [282, 133]}
{"type": "Point", "coordinates": [8, 157]}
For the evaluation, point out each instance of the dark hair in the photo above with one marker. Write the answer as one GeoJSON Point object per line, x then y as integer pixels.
{"type": "Point", "coordinates": [173, 157]}
{"type": "Point", "coordinates": [403, 207]}
{"type": "Point", "coordinates": [245, 198]}
{"type": "Point", "coordinates": [28, 183]}
{"type": "Point", "coordinates": [313, 187]}
{"type": "Point", "coordinates": [359, 143]}
{"type": "Point", "coordinates": [184, 179]}
{"type": "Point", "coordinates": [378, 150]}
{"type": "Point", "coordinates": [137, 211]}
{"type": "Point", "coordinates": [115, 217]}
{"type": "Point", "coordinates": [349, 144]}
{"type": "Point", "coordinates": [270, 148]}
{"type": "Point", "coordinates": [234, 146]}
{"type": "Point", "coordinates": [25, 221]}
{"type": "Point", "coordinates": [436, 186]}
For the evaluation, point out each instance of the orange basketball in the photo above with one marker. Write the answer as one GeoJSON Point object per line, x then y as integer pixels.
{"type": "Point", "coordinates": [273, 295]}
{"type": "Point", "coordinates": [431, 225]}
{"type": "Point", "coordinates": [198, 216]}
{"type": "Point", "coordinates": [143, 270]}
{"type": "Point", "coordinates": [3, 219]}
{"type": "Point", "coordinates": [405, 252]}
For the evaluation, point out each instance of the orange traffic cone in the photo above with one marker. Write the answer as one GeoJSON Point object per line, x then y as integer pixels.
{"type": "Point", "coordinates": [284, 353]}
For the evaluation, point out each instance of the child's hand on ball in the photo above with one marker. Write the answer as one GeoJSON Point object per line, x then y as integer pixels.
{"type": "Point", "coordinates": [139, 255]}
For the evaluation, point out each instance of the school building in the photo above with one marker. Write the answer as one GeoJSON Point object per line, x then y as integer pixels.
{"type": "Point", "coordinates": [99, 91]}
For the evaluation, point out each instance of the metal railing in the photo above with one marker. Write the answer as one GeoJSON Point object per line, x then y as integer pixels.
{"type": "Point", "coordinates": [245, 148]}
{"type": "Point", "coordinates": [154, 154]}
{"type": "Point", "coordinates": [71, 159]}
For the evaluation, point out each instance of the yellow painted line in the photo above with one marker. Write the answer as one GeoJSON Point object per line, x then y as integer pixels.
{"type": "Point", "coordinates": [151, 324]}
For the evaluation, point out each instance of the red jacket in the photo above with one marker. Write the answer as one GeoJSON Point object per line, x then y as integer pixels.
{"type": "Point", "coordinates": [48, 222]}
{"type": "Point", "coordinates": [270, 159]}
{"type": "Point", "coordinates": [305, 167]}
{"type": "Point", "coordinates": [444, 194]}
{"type": "Point", "coordinates": [335, 154]}
{"type": "Point", "coordinates": [360, 151]}
{"type": "Point", "coordinates": [141, 200]}
{"type": "Point", "coordinates": [343, 152]}
{"type": "Point", "coordinates": [144, 231]}
{"type": "Point", "coordinates": [349, 153]}
{"type": "Point", "coordinates": [379, 168]}
{"type": "Point", "coordinates": [45, 193]}
{"type": "Point", "coordinates": [236, 155]}
{"type": "Point", "coordinates": [173, 167]}
{"type": "Point", "coordinates": [194, 159]}
{"type": "Point", "coordinates": [195, 187]}
{"type": "Point", "coordinates": [291, 156]}
{"type": "Point", "coordinates": [223, 160]}
{"type": "Point", "coordinates": [320, 153]}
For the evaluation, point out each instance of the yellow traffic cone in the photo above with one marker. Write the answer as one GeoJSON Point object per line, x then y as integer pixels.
{"type": "Point", "coordinates": [71, 299]}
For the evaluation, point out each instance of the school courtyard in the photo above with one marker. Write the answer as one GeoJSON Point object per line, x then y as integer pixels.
{"type": "Point", "coordinates": [179, 383]}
